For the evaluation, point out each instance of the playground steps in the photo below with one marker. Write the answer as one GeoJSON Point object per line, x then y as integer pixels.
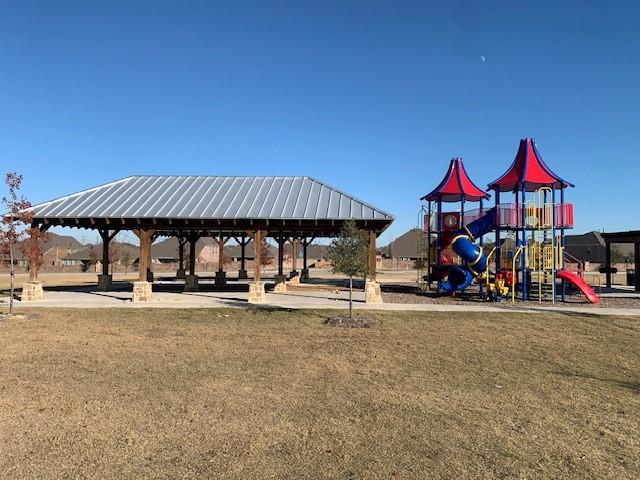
{"type": "Point", "coordinates": [545, 290]}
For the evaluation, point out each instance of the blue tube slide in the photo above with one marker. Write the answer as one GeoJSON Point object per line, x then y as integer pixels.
{"type": "Point", "coordinates": [460, 277]}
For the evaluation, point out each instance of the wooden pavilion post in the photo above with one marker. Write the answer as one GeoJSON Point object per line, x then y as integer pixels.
{"type": "Point", "coordinates": [372, 256]}
{"type": "Point", "coordinates": [221, 278]}
{"type": "Point", "coordinates": [294, 259]}
{"type": "Point", "coordinates": [33, 263]}
{"type": "Point", "coordinates": [32, 290]}
{"type": "Point", "coordinates": [105, 252]}
{"type": "Point", "coordinates": [257, 249]}
{"type": "Point", "coordinates": [294, 275]}
{"type": "Point", "coordinates": [142, 290]}
{"type": "Point", "coordinates": [192, 253]}
{"type": "Point", "coordinates": [242, 273]}
{"type": "Point", "coordinates": [305, 267]}
{"type": "Point", "coordinates": [243, 242]}
{"type": "Point", "coordinates": [636, 253]}
{"type": "Point", "coordinates": [256, 288]}
{"type": "Point", "coordinates": [105, 280]}
{"type": "Point", "coordinates": [607, 263]}
{"type": "Point", "coordinates": [144, 256]}
{"type": "Point", "coordinates": [281, 242]}
{"type": "Point", "coordinates": [152, 238]}
{"type": "Point", "coordinates": [181, 242]}
{"type": "Point", "coordinates": [191, 280]}
{"type": "Point", "coordinates": [181, 272]}
{"type": "Point", "coordinates": [372, 291]}
{"type": "Point", "coordinates": [280, 279]}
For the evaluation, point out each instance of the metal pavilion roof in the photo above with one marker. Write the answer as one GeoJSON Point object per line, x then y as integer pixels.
{"type": "Point", "coordinates": [211, 198]}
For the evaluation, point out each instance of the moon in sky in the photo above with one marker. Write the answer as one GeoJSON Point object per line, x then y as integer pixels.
{"type": "Point", "coordinates": [483, 58]}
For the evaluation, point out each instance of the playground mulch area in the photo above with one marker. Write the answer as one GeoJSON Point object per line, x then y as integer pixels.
{"type": "Point", "coordinates": [256, 393]}
{"type": "Point", "coordinates": [412, 295]}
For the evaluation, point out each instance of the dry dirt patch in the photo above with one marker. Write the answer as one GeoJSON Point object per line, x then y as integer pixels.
{"type": "Point", "coordinates": [356, 321]}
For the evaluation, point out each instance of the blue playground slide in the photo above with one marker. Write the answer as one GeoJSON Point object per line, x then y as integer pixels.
{"type": "Point", "coordinates": [460, 277]}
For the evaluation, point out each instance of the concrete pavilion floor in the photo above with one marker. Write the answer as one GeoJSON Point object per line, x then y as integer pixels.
{"type": "Point", "coordinates": [169, 294]}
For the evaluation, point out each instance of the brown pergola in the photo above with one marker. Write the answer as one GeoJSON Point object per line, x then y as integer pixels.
{"type": "Point", "coordinates": [287, 209]}
{"type": "Point", "coordinates": [631, 236]}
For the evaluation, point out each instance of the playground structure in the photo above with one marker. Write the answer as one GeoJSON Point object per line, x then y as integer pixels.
{"type": "Point", "coordinates": [526, 259]}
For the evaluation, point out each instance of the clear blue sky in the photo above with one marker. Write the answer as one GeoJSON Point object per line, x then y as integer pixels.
{"type": "Point", "coordinates": [372, 97]}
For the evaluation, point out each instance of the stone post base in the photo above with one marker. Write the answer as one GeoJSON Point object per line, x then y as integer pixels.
{"type": "Point", "coordinates": [142, 291]}
{"type": "Point", "coordinates": [191, 283]}
{"type": "Point", "coordinates": [32, 292]}
{"type": "Point", "coordinates": [221, 277]}
{"type": "Point", "coordinates": [294, 280]}
{"type": "Point", "coordinates": [181, 274]}
{"type": "Point", "coordinates": [257, 293]}
{"type": "Point", "coordinates": [304, 275]}
{"type": "Point", "coordinates": [372, 293]}
{"type": "Point", "coordinates": [281, 284]}
{"type": "Point", "coordinates": [242, 274]}
{"type": "Point", "coordinates": [104, 283]}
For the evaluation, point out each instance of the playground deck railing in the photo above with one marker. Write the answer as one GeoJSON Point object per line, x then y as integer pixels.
{"type": "Point", "coordinates": [510, 215]}
{"type": "Point", "coordinates": [468, 218]}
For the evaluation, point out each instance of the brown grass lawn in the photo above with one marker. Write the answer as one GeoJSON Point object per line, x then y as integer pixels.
{"type": "Point", "coordinates": [259, 394]}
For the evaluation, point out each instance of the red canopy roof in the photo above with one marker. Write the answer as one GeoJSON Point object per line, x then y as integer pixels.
{"type": "Point", "coordinates": [528, 169]}
{"type": "Point", "coordinates": [456, 185]}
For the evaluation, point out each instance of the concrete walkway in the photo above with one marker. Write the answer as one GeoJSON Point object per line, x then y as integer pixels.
{"type": "Point", "coordinates": [297, 299]}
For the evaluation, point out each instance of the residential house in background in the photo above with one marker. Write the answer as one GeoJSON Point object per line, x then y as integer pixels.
{"type": "Point", "coordinates": [405, 247]}
{"type": "Point", "coordinates": [590, 247]}
{"type": "Point", "coordinates": [88, 257]}
{"type": "Point", "coordinates": [55, 249]}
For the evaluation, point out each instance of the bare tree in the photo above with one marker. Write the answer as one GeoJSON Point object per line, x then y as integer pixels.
{"type": "Point", "coordinates": [93, 257]}
{"type": "Point", "coordinates": [32, 249]}
{"type": "Point", "coordinates": [115, 254]}
{"type": "Point", "coordinates": [126, 261]}
{"type": "Point", "coordinates": [10, 235]}
{"type": "Point", "coordinates": [266, 258]}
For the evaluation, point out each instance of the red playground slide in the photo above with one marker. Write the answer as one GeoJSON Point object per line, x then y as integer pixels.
{"type": "Point", "coordinates": [581, 284]}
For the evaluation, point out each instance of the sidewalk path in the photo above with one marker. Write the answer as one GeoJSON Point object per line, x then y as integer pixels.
{"type": "Point", "coordinates": [289, 300]}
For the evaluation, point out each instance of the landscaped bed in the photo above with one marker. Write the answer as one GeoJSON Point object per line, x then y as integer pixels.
{"type": "Point", "coordinates": [252, 393]}
{"type": "Point", "coordinates": [413, 295]}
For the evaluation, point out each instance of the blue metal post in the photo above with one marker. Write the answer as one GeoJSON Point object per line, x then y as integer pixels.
{"type": "Point", "coordinates": [562, 243]}
{"type": "Point", "coordinates": [523, 255]}
{"type": "Point", "coordinates": [461, 217]}
{"type": "Point", "coordinates": [428, 245]}
{"type": "Point", "coordinates": [438, 241]}
{"type": "Point", "coordinates": [481, 246]}
{"type": "Point", "coordinates": [545, 233]}
{"type": "Point", "coordinates": [517, 230]}
{"type": "Point", "coordinates": [429, 251]}
{"type": "Point", "coordinates": [545, 200]}
{"type": "Point", "coordinates": [553, 241]}
{"type": "Point", "coordinates": [498, 251]}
